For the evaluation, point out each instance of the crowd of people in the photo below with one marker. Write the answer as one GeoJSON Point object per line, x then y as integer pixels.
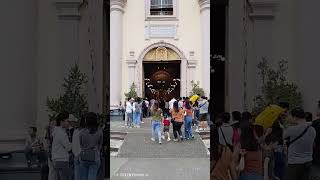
{"type": "Point", "coordinates": [288, 150]}
{"type": "Point", "coordinates": [73, 149]}
{"type": "Point", "coordinates": [164, 113]}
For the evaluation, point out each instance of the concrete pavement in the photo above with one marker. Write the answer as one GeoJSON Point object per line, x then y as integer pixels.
{"type": "Point", "coordinates": [140, 158]}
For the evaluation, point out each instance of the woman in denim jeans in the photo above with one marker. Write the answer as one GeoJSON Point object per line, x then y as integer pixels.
{"type": "Point", "coordinates": [76, 149]}
{"type": "Point", "coordinates": [156, 114]}
{"type": "Point", "coordinates": [188, 120]}
{"type": "Point", "coordinates": [91, 140]}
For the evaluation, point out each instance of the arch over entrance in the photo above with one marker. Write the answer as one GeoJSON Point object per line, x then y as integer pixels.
{"type": "Point", "coordinates": [157, 48]}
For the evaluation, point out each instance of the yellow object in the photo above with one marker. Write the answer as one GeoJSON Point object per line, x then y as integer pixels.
{"type": "Point", "coordinates": [268, 116]}
{"type": "Point", "coordinates": [194, 98]}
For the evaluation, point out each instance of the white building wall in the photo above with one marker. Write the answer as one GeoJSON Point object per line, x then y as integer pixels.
{"type": "Point", "coordinates": [17, 67]}
{"type": "Point", "coordinates": [49, 69]}
{"type": "Point", "coordinates": [306, 50]}
{"type": "Point", "coordinates": [294, 37]}
{"type": "Point", "coordinates": [189, 34]}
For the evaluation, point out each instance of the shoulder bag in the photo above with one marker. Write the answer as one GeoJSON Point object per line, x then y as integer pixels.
{"type": "Point", "coordinates": [229, 145]}
{"type": "Point", "coordinates": [88, 155]}
{"type": "Point", "coordinates": [298, 137]}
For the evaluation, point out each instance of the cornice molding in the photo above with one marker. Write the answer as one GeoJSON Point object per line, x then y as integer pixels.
{"type": "Point", "coordinates": [204, 5]}
{"type": "Point", "coordinates": [68, 9]}
{"type": "Point", "coordinates": [117, 5]}
{"type": "Point", "coordinates": [263, 9]}
{"type": "Point", "coordinates": [132, 63]}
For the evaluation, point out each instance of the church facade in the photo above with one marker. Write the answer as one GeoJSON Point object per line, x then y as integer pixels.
{"type": "Point", "coordinates": [41, 39]}
{"type": "Point", "coordinates": [160, 46]}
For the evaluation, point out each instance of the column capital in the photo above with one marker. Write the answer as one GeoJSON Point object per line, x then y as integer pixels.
{"type": "Point", "coordinates": [263, 9]}
{"type": "Point", "coordinates": [192, 63]}
{"type": "Point", "coordinates": [117, 5]}
{"type": "Point", "coordinates": [68, 9]}
{"type": "Point", "coordinates": [132, 63]}
{"type": "Point", "coordinates": [204, 4]}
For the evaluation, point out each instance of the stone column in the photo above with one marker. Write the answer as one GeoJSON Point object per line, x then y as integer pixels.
{"type": "Point", "coordinates": [116, 15]}
{"type": "Point", "coordinates": [68, 34]}
{"type": "Point", "coordinates": [183, 78]}
{"type": "Point", "coordinates": [262, 15]}
{"type": "Point", "coordinates": [191, 73]}
{"type": "Point", "coordinates": [205, 33]}
{"type": "Point", "coordinates": [131, 73]}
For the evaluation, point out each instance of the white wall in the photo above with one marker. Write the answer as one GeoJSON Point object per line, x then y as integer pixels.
{"type": "Point", "coordinates": [49, 69]}
{"type": "Point", "coordinates": [17, 67]}
{"type": "Point", "coordinates": [234, 57]}
{"type": "Point", "coordinates": [306, 50]}
{"type": "Point", "coordinates": [294, 37]}
{"type": "Point", "coordinates": [189, 31]}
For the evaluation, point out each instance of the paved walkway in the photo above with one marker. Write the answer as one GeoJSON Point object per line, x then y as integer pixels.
{"type": "Point", "coordinates": [140, 158]}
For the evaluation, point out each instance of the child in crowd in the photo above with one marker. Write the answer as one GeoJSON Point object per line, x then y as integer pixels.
{"type": "Point", "coordinates": [166, 127]}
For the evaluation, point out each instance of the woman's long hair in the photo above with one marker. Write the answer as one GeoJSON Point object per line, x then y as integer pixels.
{"type": "Point", "coordinates": [187, 104]}
{"type": "Point", "coordinates": [92, 122]}
{"type": "Point", "coordinates": [248, 139]}
{"type": "Point", "coordinates": [176, 106]}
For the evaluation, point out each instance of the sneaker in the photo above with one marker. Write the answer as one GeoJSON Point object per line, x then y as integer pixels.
{"type": "Point", "coordinates": [175, 140]}
{"type": "Point", "coordinates": [181, 138]}
{"type": "Point", "coordinates": [197, 131]}
{"type": "Point", "coordinates": [138, 126]}
{"type": "Point", "coordinates": [168, 140]}
{"type": "Point", "coordinates": [192, 137]}
{"type": "Point", "coordinates": [152, 139]}
{"type": "Point", "coordinates": [160, 142]}
{"type": "Point", "coordinates": [142, 122]}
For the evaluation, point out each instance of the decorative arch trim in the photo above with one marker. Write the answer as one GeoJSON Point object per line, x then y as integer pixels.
{"type": "Point", "coordinates": [161, 44]}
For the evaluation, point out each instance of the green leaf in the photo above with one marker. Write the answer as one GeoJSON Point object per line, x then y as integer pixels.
{"type": "Point", "coordinates": [73, 100]}
{"type": "Point", "coordinates": [275, 86]}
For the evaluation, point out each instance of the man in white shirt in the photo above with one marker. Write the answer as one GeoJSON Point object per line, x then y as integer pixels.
{"type": "Point", "coordinates": [166, 107]}
{"type": "Point", "coordinates": [129, 112]}
{"type": "Point", "coordinates": [171, 103]}
{"type": "Point", "coordinates": [180, 103]}
{"type": "Point", "coordinates": [148, 106]}
{"type": "Point", "coordinates": [61, 147]}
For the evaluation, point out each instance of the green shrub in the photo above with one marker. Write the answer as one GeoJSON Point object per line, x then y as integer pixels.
{"type": "Point", "coordinates": [72, 101]}
{"type": "Point", "coordinates": [132, 93]}
{"type": "Point", "coordinates": [275, 87]}
{"type": "Point", "coordinates": [196, 89]}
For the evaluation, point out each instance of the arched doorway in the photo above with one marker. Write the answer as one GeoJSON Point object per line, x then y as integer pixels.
{"type": "Point", "coordinates": [162, 62]}
{"type": "Point", "coordinates": [161, 74]}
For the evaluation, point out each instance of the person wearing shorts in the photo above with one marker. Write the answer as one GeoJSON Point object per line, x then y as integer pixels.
{"type": "Point", "coordinates": [204, 107]}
